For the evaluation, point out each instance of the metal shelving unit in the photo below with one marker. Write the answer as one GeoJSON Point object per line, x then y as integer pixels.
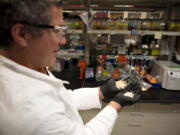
{"type": "Point", "coordinates": [140, 32]}
{"type": "Point", "coordinates": [69, 55]}
{"type": "Point", "coordinates": [165, 33]}
{"type": "Point", "coordinates": [109, 32]}
{"type": "Point", "coordinates": [71, 31]}
{"type": "Point", "coordinates": [169, 12]}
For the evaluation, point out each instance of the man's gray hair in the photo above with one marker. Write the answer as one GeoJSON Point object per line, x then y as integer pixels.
{"type": "Point", "coordinates": [31, 11]}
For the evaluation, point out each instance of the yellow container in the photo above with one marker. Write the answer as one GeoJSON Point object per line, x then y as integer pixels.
{"type": "Point", "coordinates": [155, 52]}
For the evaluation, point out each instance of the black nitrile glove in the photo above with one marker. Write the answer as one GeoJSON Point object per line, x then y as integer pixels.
{"type": "Point", "coordinates": [134, 87]}
{"type": "Point", "coordinates": [124, 100]}
{"type": "Point", "coordinates": [129, 96]}
{"type": "Point", "coordinates": [109, 89]}
{"type": "Point", "coordinates": [131, 79]}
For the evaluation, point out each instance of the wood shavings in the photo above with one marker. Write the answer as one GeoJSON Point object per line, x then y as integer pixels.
{"type": "Point", "coordinates": [129, 94]}
{"type": "Point", "coordinates": [121, 84]}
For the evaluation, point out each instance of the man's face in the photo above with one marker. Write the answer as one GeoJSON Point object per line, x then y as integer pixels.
{"type": "Point", "coordinates": [43, 50]}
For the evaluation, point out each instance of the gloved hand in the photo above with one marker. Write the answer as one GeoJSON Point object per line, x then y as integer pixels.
{"type": "Point", "coordinates": [133, 86]}
{"type": "Point", "coordinates": [110, 89]}
{"type": "Point", "coordinates": [131, 79]}
{"type": "Point", "coordinates": [129, 96]}
{"type": "Point", "coordinates": [124, 100]}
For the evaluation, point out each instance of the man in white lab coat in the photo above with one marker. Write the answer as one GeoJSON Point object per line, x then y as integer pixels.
{"type": "Point", "coordinates": [33, 102]}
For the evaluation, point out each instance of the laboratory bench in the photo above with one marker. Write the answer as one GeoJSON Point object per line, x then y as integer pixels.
{"type": "Point", "coordinates": [153, 95]}
{"type": "Point", "coordinates": [157, 112]}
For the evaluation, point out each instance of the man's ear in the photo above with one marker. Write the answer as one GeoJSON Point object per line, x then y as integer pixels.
{"type": "Point", "coordinates": [19, 35]}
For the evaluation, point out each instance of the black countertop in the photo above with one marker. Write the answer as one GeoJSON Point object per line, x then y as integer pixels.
{"type": "Point", "coordinates": [153, 95]}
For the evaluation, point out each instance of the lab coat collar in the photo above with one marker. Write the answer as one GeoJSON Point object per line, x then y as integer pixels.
{"type": "Point", "coordinates": [29, 72]}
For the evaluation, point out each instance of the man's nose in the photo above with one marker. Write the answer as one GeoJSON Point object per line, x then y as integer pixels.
{"type": "Point", "coordinates": [62, 42]}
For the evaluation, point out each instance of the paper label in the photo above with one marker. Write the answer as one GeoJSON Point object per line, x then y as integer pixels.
{"type": "Point", "coordinates": [158, 35]}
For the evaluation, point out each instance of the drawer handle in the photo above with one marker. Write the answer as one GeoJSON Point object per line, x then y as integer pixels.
{"type": "Point", "coordinates": [136, 113]}
{"type": "Point", "coordinates": [134, 124]}
{"type": "Point", "coordinates": [177, 111]}
{"type": "Point", "coordinates": [157, 131]}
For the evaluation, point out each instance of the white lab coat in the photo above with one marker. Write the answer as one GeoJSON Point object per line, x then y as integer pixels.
{"type": "Point", "coordinates": [32, 103]}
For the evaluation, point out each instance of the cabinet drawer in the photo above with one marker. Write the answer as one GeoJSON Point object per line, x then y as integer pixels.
{"type": "Point", "coordinates": [130, 108]}
{"type": "Point", "coordinates": [88, 115]}
{"type": "Point", "coordinates": [130, 116]}
{"type": "Point", "coordinates": [87, 118]}
{"type": "Point", "coordinates": [138, 128]}
{"type": "Point", "coordinates": [135, 129]}
{"type": "Point", "coordinates": [92, 111]}
{"type": "Point", "coordinates": [147, 124]}
{"type": "Point", "coordinates": [160, 117]}
{"type": "Point", "coordinates": [157, 107]}
{"type": "Point", "coordinates": [125, 108]}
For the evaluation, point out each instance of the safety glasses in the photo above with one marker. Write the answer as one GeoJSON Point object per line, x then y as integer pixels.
{"type": "Point", "coordinates": [59, 30]}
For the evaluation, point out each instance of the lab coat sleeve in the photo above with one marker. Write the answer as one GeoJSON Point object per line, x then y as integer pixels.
{"type": "Point", "coordinates": [85, 98]}
{"type": "Point", "coordinates": [59, 124]}
{"type": "Point", "coordinates": [89, 96]}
